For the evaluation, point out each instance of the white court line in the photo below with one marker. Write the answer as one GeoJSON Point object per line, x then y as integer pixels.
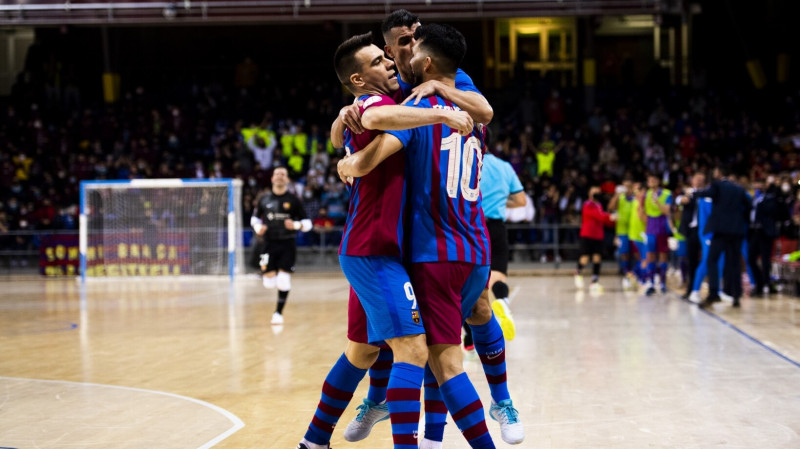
{"type": "Point", "coordinates": [237, 423]}
{"type": "Point", "coordinates": [514, 292]}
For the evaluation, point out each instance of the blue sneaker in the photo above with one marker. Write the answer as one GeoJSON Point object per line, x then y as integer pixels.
{"type": "Point", "coordinates": [369, 414]}
{"type": "Point", "coordinates": [511, 429]}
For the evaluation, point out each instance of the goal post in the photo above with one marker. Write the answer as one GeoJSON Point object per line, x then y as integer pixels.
{"type": "Point", "coordinates": [161, 227]}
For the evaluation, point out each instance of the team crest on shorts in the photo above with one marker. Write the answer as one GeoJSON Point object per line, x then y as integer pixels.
{"type": "Point", "coordinates": [415, 316]}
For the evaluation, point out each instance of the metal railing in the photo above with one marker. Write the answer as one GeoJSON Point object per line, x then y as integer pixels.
{"type": "Point", "coordinates": [20, 251]}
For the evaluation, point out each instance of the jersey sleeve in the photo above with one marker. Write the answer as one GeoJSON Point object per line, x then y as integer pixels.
{"type": "Point", "coordinates": [514, 185]}
{"type": "Point", "coordinates": [299, 212]}
{"type": "Point", "coordinates": [464, 82]}
{"type": "Point", "coordinates": [407, 135]}
{"type": "Point", "coordinates": [373, 101]}
{"type": "Point", "coordinates": [258, 211]}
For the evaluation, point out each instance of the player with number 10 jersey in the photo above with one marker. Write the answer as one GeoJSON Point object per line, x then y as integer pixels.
{"type": "Point", "coordinates": [446, 222]}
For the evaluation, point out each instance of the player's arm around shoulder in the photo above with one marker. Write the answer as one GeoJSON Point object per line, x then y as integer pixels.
{"type": "Point", "coordinates": [395, 118]}
{"type": "Point", "coordinates": [468, 98]}
{"type": "Point", "coordinates": [364, 161]}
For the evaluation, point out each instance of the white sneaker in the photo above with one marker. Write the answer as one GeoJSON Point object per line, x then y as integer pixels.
{"type": "Point", "coordinates": [725, 297]}
{"type": "Point", "coordinates": [304, 444]}
{"type": "Point", "coordinates": [511, 429]}
{"type": "Point", "coordinates": [578, 281]}
{"type": "Point", "coordinates": [694, 297]}
{"type": "Point", "coordinates": [429, 444]}
{"type": "Point", "coordinates": [596, 288]}
{"type": "Point", "coordinates": [369, 414]}
{"type": "Point", "coordinates": [277, 318]}
{"type": "Point", "coordinates": [626, 284]}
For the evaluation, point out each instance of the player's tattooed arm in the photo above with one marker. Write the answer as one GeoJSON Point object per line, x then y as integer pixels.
{"type": "Point", "coordinates": [474, 103]}
{"type": "Point", "coordinates": [392, 117]}
{"type": "Point", "coordinates": [364, 161]}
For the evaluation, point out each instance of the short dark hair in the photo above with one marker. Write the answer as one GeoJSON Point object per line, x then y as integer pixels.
{"type": "Point", "coordinates": [398, 18]}
{"type": "Point", "coordinates": [445, 42]}
{"type": "Point", "coordinates": [344, 60]}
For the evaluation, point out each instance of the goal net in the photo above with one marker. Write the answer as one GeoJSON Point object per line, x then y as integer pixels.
{"type": "Point", "coordinates": [161, 227]}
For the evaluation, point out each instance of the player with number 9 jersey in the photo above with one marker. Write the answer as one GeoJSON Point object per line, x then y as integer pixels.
{"type": "Point", "coordinates": [371, 247]}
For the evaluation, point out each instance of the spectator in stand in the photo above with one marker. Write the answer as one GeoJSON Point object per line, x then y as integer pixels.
{"type": "Point", "coordinates": [546, 157]}
{"type": "Point", "coordinates": [688, 144]}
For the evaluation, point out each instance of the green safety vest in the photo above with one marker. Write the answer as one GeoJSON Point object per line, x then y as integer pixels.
{"type": "Point", "coordinates": [651, 208]}
{"type": "Point", "coordinates": [624, 206]}
{"type": "Point", "coordinates": [636, 226]}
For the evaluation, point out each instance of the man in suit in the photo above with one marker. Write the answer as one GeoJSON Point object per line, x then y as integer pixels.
{"type": "Point", "coordinates": [762, 234]}
{"type": "Point", "coordinates": [689, 227]}
{"type": "Point", "coordinates": [728, 221]}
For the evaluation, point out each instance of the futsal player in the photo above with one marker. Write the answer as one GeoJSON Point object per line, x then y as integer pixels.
{"type": "Point", "coordinates": [277, 217]}
{"type": "Point", "coordinates": [449, 240]}
{"type": "Point", "coordinates": [657, 206]}
{"type": "Point", "coordinates": [371, 250]}
{"type": "Point", "coordinates": [398, 32]}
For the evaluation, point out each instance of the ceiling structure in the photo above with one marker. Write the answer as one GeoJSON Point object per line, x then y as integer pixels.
{"type": "Point", "coordinates": [93, 12]}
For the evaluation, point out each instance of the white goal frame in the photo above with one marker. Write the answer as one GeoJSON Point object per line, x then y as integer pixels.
{"type": "Point", "coordinates": [234, 217]}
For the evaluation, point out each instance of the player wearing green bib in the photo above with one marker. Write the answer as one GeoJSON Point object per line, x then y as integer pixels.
{"type": "Point", "coordinates": [622, 204]}
{"type": "Point", "coordinates": [657, 205]}
{"type": "Point", "coordinates": [636, 231]}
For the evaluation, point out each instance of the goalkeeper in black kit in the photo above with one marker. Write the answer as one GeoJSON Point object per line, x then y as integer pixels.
{"type": "Point", "coordinates": [277, 218]}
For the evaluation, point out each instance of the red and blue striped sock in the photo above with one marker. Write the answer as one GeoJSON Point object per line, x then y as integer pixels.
{"type": "Point", "coordinates": [379, 376]}
{"type": "Point", "coordinates": [337, 391]}
{"type": "Point", "coordinates": [491, 347]}
{"type": "Point", "coordinates": [467, 410]}
{"type": "Point", "coordinates": [435, 410]}
{"type": "Point", "coordinates": [402, 397]}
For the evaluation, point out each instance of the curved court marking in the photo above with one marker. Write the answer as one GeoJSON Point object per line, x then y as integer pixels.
{"type": "Point", "coordinates": [237, 423]}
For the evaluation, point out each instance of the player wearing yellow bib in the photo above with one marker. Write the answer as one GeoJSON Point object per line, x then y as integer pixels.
{"type": "Point", "coordinates": [622, 204]}
{"type": "Point", "coordinates": [657, 205]}
{"type": "Point", "coordinates": [637, 226]}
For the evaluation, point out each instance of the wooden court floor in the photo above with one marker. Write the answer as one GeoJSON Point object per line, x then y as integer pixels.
{"type": "Point", "coordinates": [194, 363]}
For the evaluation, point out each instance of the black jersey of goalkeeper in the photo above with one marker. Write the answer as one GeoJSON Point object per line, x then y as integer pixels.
{"type": "Point", "coordinates": [273, 210]}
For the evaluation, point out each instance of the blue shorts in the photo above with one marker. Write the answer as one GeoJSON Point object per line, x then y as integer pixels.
{"type": "Point", "coordinates": [624, 244]}
{"type": "Point", "coordinates": [683, 249]}
{"type": "Point", "coordinates": [384, 289]}
{"type": "Point", "coordinates": [642, 248]}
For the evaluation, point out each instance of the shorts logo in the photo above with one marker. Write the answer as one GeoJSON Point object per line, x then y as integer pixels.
{"type": "Point", "coordinates": [415, 316]}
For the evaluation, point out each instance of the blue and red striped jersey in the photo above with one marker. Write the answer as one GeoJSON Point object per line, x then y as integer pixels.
{"type": "Point", "coordinates": [443, 171]}
{"type": "Point", "coordinates": [374, 225]}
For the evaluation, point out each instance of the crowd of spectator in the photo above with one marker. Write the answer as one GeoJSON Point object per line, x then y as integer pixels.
{"type": "Point", "coordinates": [50, 141]}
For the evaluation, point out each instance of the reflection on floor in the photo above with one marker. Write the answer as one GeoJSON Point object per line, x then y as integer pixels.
{"type": "Point", "coordinates": [586, 371]}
